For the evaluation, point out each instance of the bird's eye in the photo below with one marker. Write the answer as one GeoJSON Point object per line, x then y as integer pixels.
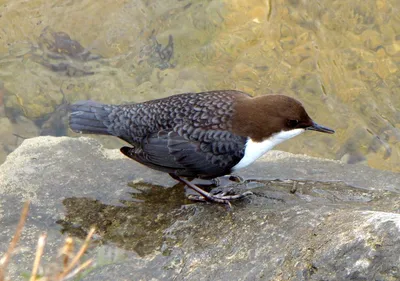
{"type": "Point", "coordinates": [293, 123]}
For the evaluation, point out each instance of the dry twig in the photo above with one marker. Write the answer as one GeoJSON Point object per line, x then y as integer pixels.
{"type": "Point", "coordinates": [69, 269]}
{"type": "Point", "coordinates": [6, 258]}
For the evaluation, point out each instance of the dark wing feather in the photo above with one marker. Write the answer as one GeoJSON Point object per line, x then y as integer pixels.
{"type": "Point", "coordinates": [154, 153]}
{"type": "Point", "coordinates": [213, 155]}
{"type": "Point", "coordinates": [189, 154]}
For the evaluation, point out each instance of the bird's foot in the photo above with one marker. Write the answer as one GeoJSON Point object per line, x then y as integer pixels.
{"type": "Point", "coordinates": [236, 178]}
{"type": "Point", "coordinates": [226, 179]}
{"type": "Point", "coordinates": [223, 198]}
{"type": "Point", "coordinates": [216, 181]}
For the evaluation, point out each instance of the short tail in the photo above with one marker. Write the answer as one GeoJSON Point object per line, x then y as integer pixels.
{"type": "Point", "coordinates": [90, 117]}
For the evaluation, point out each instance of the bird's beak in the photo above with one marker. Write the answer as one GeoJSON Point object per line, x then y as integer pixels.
{"type": "Point", "coordinates": [319, 128]}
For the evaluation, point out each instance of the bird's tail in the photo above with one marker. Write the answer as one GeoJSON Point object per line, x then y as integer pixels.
{"type": "Point", "coordinates": [90, 117]}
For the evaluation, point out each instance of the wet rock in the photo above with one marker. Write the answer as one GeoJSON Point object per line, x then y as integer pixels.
{"type": "Point", "coordinates": [3, 154]}
{"type": "Point", "coordinates": [6, 132]}
{"type": "Point", "coordinates": [309, 218]}
{"type": "Point", "coordinates": [6, 129]}
{"type": "Point", "coordinates": [55, 124]}
{"type": "Point", "coordinates": [22, 99]}
{"type": "Point", "coordinates": [59, 45]}
{"type": "Point", "coordinates": [25, 128]}
{"type": "Point", "coordinates": [2, 93]}
{"type": "Point", "coordinates": [14, 132]}
{"type": "Point", "coordinates": [156, 54]}
{"type": "Point", "coordinates": [59, 53]}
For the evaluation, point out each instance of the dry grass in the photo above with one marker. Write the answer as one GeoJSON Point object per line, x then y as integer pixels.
{"type": "Point", "coordinates": [70, 262]}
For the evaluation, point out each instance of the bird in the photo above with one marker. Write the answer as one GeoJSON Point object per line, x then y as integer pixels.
{"type": "Point", "coordinates": [202, 135]}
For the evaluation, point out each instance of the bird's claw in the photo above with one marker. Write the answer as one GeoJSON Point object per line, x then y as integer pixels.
{"type": "Point", "coordinates": [205, 196]}
{"type": "Point", "coordinates": [222, 198]}
{"type": "Point", "coordinates": [236, 178]}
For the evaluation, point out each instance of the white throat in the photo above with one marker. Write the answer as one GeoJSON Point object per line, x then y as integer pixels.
{"type": "Point", "coordinates": [254, 150]}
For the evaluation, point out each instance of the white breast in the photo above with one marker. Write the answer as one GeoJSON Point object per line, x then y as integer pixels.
{"type": "Point", "coordinates": [254, 150]}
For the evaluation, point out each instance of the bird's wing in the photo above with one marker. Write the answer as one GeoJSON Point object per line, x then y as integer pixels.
{"type": "Point", "coordinates": [153, 152]}
{"type": "Point", "coordinates": [211, 154]}
{"type": "Point", "coordinates": [185, 112]}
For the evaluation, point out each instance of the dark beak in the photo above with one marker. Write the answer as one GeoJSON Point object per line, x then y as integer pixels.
{"type": "Point", "coordinates": [319, 128]}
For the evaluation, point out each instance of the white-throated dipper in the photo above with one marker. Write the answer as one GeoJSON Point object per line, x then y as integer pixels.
{"type": "Point", "coordinates": [198, 135]}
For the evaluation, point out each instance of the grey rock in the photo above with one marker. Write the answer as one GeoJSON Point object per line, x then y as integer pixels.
{"type": "Point", "coordinates": [309, 218]}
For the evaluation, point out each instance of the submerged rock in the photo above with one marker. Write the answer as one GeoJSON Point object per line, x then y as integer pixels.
{"type": "Point", "coordinates": [309, 218]}
{"type": "Point", "coordinates": [60, 53]}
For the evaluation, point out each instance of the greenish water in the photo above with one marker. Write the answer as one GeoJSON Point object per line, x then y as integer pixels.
{"type": "Point", "coordinates": [340, 58]}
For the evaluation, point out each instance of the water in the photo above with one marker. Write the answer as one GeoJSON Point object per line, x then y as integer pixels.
{"type": "Point", "coordinates": [340, 58]}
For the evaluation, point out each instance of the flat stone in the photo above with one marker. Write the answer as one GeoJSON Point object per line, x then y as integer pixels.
{"type": "Point", "coordinates": [309, 218]}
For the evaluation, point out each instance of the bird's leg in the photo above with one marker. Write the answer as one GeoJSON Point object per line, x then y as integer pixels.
{"type": "Point", "coordinates": [219, 198]}
{"type": "Point", "coordinates": [236, 178]}
{"type": "Point", "coordinates": [223, 180]}
{"type": "Point", "coordinates": [216, 181]}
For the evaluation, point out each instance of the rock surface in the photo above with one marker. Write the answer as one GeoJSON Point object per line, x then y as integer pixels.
{"type": "Point", "coordinates": [309, 218]}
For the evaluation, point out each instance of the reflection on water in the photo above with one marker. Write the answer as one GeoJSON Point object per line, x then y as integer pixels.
{"type": "Point", "coordinates": [138, 225]}
{"type": "Point", "coordinates": [340, 58]}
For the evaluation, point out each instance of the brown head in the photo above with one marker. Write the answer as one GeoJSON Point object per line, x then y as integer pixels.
{"type": "Point", "coordinates": [263, 116]}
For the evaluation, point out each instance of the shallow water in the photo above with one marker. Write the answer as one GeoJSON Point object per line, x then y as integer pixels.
{"type": "Point", "coordinates": [340, 58]}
